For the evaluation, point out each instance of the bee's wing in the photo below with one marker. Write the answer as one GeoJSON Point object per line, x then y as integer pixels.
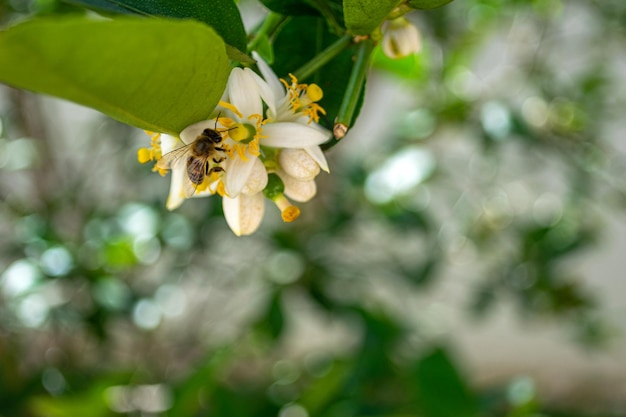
{"type": "Point", "coordinates": [196, 169]}
{"type": "Point", "coordinates": [189, 188]}
{"type": "Point", "coordinates": [171, 158]}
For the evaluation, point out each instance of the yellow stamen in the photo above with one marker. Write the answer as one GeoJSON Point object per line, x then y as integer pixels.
{"type": "Point", "coordinates": [231, 108]}
{"type": "Point", "coordinates": [153, 153]}
{"type": "Point", "coordinates": [259, 120]}
{"type": "Point", "coordinates": [303, 98]}
{"type": "Point", "coordinates": [241, 151]}
{"type": "Point", "coordinates": [312, 111]}
{"type": "Point", "coordinates": [253, 147]}
{"type": "Point", "coordinates": [221, 189]}
{"type": "Point", "coordinates": [227, 122]}
{"type": "Point", "coordinates": [162, 172]}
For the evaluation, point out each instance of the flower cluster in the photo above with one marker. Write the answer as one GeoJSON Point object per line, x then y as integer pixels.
{"type": "Point", "coordinates": [400, 38]}
{"type": "Point", "coordinates": [267, 146]}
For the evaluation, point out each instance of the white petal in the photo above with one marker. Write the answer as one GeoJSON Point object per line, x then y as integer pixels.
{"type": "Point", "coordinates": [272, 80]}
{"type": "Point", "coordinates": [176, 196]}
{"type": "Point", "coordinates": [267, 94]}
{"type": "Point", "coordinates": [237, 173]}
{"type": "Point", "coordinates": [243, 92]}
{"type": "Point", "coordinates": [390, 47]}
{"type": "Point", "coordinates": [263, 89]}
{"type": "Point", "coordinates": [292, 135]}
{"type": "Point", "coordinates": [244, 213]}
{"type": "Point", "coordinates": [300, 191]}
{"type": "Point", "coordinates": [413, 39]}
{"type": "Point", "coordinates": [190, 133]}
{"type": "Point", "coordinates": [316, 153]}
{"type": "Point", "coordinates": [257, 180]}
{"type": "Point", "coordinates": [298, 164]}
{"type": "Point", "coordinates": [169, 143]}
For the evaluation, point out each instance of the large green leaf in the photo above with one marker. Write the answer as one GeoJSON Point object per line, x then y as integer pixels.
{"type": "Point", "coordinates": [221, 15]}
{"type": "Point", "coordinates": [427, 4]}
{"type": "Point", "coordinates": [156, 74]}
{"type": "Point", "coordinates": [104, 5]}
{"type": "Point", "coordinates": [290, 7]}
{"type": "Point", "coordinates": [363, 16]}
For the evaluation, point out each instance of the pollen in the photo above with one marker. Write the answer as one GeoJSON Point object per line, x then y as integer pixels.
{"type": "Point", "coordinates": [221, 189]}
{"type": "Point", "coordinates": [144, 155]}
{"type": "Point", "coordinates": [153, 153]}
{"type": "Point", "coordinates": [204, 185]}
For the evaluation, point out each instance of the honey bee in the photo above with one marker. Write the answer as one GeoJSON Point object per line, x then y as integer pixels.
{"type": "Point", "coordinates": [200, 154]}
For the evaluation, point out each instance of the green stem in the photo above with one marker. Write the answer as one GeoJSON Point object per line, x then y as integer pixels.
{"type": "Point", "coordinates": [269, 26]}
{"type": "Point", "coordinates": [353, 89]}
{"type": "Point", "coordinates": [323, 57]}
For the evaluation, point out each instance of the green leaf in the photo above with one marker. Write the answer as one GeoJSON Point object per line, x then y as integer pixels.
{"type": "Point", "coordinates": [87, 401]}
{"type": "Point", "coordinates": [290, 7]}
{"type": "Point", "coordinates": [441, 390]}
{"type": "Point", "coordinates": [326, 388]}
{"type": "Point", "coordinates": [265, 49]}
{"type": "Point", "coordinates": [222, 15]}
{"type": "Point", "coordinates": [155, 74]}
{"type": "Point", "coordinates": [100, 5]}
{"type": "Point", "coordinates": [363, 16]}
{"type": "Point", "coordinates": [201, 383]}
{"type": "Point", "coordinates": [272, 322]}
{"type": "Point", "coordinates": [427, 4]}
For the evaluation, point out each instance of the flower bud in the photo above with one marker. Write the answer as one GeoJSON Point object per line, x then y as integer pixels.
{"type": "Point", "coordinates": [400, 38]}
{"type": "Point", "coordinates": [300, 191]}
{"type": "Point", "coordinates": [298, 164]}
{"type": "Point", "coordinates": [257, 180]}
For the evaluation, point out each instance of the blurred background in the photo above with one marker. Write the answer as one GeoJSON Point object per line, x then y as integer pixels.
{"type": "Point", "coordinates": [464, 258]}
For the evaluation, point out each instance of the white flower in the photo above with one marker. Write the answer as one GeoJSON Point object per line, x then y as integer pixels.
{"type": "Point", "coordinates": [267, 127]}
{"type": "Point", "coordinates": [400, 38]}
{"type": "Point", "coordinates": [296, 102]}
{"type": "Point", "coordinates": [248, 130]}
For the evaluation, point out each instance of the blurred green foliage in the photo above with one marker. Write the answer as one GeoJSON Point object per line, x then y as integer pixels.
{"type": "Point", "coordinates": [112, 306]}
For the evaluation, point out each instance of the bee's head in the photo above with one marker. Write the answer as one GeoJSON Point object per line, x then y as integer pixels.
{"type": "Point", "coordinates": [213, 135]}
